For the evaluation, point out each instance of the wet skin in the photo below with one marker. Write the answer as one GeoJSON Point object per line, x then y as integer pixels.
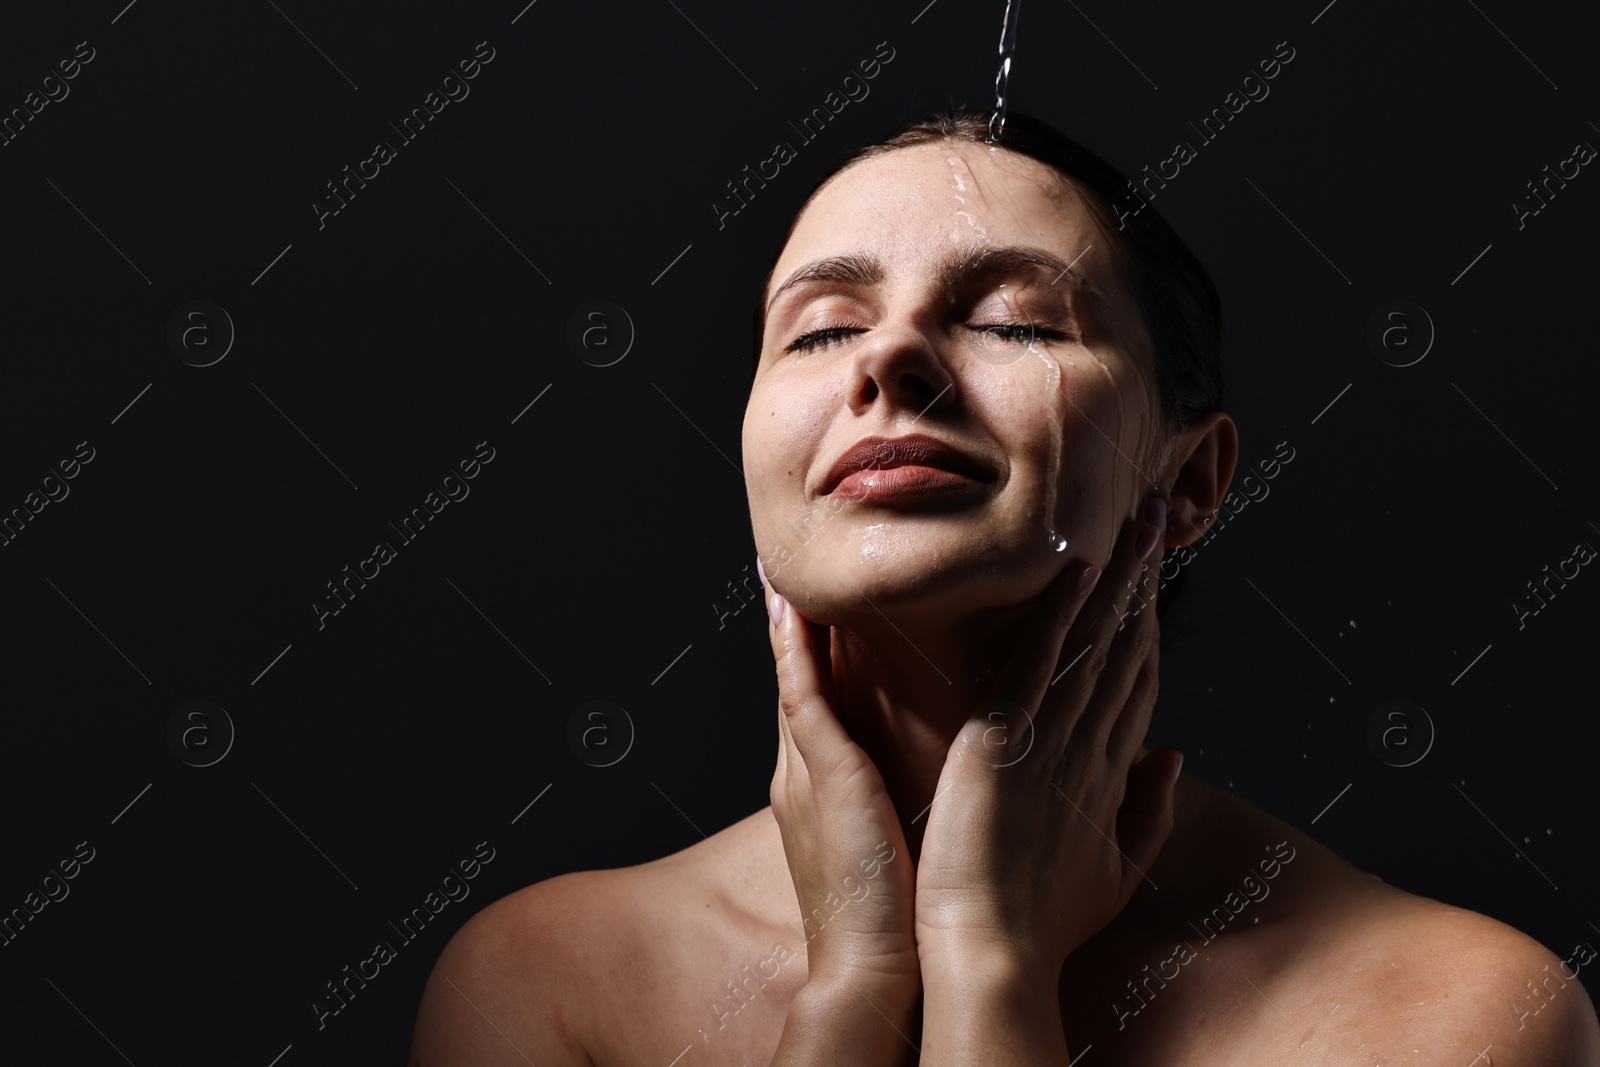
{"type": "Point", "coordinates": [924, 323]}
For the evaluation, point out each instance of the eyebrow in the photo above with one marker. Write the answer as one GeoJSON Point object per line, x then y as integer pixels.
{"type": "Point", "coordinates": [976, 261]}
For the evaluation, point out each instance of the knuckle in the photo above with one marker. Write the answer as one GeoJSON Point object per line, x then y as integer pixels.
{"type": "Point", "coordinates": [1143, 640]}
{"type": "Point", "coordinates": [1094, 661]}
{"type": "Point", "coordinates": [1118, 791]}
{"type": "Point", "coordinates": [1147, 686]}
{"type": "Point", "coordinates": [782, 655]}
{"type": "Point", "coordinates": [790, 702]}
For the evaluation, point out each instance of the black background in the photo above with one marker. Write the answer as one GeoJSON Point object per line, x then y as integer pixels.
{"type": "Point", "coordinates": [374, 353]}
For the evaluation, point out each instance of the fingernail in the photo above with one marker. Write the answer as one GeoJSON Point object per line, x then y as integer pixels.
{"type": "Point", "coordinates": [1177, 771]}
{"type": "Point", "coordinates": [1087, 579]}
{"type": "Point", "coordinates": [761, 570]}
{"type": "Point", "coordinates": [775, 609]}
{"type": "Point", "coordinates": [1147, 541]}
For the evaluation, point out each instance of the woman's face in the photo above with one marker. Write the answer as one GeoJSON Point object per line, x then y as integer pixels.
{"type": "Point", "coordinates": [923, 292]}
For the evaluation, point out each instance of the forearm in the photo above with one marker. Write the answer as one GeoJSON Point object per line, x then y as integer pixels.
{"type": "Point", "coordinates": [996, 1014]}
{"type": "Point", "coordinates": [843, 1023]}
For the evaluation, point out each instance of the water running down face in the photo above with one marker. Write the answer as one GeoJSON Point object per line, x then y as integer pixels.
{"type": "Point", "coordinates": [963, 292]}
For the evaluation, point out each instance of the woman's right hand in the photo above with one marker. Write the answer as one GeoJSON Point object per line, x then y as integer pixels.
{"type": "Point", "coordinates": [847, 854]}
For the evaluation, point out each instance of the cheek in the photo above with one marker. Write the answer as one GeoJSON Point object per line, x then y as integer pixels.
{"type": "Point", "coordinates": [1070, 411]}
{"type": "Point", "coordinates": [798, 414]}
{"type": "Point", "coordinates": [781, 441]}
{"type": "Point", "coordinates": [1080, 450]}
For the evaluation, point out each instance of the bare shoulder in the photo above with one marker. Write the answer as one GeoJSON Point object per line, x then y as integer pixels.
{"type": "Point", "coordinates": [569, 972]}
{"type": "Point", "coordinates": [1457, 987]}
{"type": "Point", "coordinates": [1328, 957]}
{"type": "Point", "coordinates": [500, 992]}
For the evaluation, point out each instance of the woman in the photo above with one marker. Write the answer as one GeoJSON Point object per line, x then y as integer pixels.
{"type": "Point", "coordinates": [987, 388]}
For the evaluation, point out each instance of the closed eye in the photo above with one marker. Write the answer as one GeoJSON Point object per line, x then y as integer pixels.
{"type": "Point", "coordinates": [1022, 332]}
{"type": "Point", "coordinates": [821, 338]}
{"type": "Point", "coordinates": [1008, 331]}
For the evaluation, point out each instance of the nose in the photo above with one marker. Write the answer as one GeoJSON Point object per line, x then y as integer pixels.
{"type": "Point", "coordinates": [900, 364]}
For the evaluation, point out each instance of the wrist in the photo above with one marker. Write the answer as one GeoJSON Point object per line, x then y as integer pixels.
{"type": "Point", "coordinates": [978, 965]}
{"type": "Point", "coordinates": [845, 1020]}
{"type": "Point", "coordinates": [846, 991]}
{"type": "Point", "coordinates": [992, 1007]}
{"type": "Point", "coordinates": [985, 981]}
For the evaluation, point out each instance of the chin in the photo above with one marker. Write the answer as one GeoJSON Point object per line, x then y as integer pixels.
{"type": "Point", "coordinates": [830, 586]}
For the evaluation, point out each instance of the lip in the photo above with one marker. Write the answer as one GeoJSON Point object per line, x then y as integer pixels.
{"type": "Point", "coordinates": [936, 465]}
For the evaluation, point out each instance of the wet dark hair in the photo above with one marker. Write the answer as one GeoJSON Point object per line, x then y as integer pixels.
{"type": "Point", "coordinates": [1174, 293]}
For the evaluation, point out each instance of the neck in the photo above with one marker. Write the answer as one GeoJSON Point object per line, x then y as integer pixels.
{"type": "Point", "coordinates": [905, 691]}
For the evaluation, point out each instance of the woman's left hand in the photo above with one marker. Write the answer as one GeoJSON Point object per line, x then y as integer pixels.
{"type": "Point", "coordinates": [1026, 853]}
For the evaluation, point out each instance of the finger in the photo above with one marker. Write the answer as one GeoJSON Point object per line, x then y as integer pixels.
{"type": "Point", "coordinates": [1085, 650]}
{"type": "Point", "coordinates": [1124, 694]}
{"type": "Point", "coordinates": [1131, 721]}
{"type": "Point", "coordinates": [805, 687]}
{"type": "Point", "coordinates": [787, 752]}
{"type": "Point", "coordinates": [780, 772]}
{"type": "Point", "coordinates": [1024, 678]}
{"type": "Point", "coordinates": [1122, 706]}
{"type": "Point", "coordinates": [1146, 818]}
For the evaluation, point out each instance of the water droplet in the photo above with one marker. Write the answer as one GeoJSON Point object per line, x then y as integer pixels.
{"type": "Point", "coordinates": [958, 171]}
{"type": "Point", "coordinates": [1056, 413]}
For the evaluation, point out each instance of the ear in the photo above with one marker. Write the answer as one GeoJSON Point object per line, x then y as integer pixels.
{"type": "Point", "coordinates": [1204, 455]}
